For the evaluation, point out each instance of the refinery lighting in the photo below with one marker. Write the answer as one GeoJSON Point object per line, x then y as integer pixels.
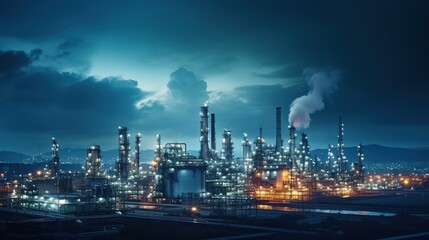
{"type": "Point", "coordinates": [264, 172]}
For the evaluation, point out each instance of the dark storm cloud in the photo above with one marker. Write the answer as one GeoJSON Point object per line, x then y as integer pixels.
{"type": "Point", "coordinates": [41, 100]}
{"type": "Point", "coordinates": [13, 60]}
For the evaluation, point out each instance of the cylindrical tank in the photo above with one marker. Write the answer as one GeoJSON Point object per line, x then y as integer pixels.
{"type": "Point", "coordinates": [185, 180]}
{"type": "Point", "coordinates": [93, 161]}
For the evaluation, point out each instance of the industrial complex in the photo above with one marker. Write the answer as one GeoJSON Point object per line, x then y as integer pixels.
{"type": "Point", "coordinates": [276, 173]}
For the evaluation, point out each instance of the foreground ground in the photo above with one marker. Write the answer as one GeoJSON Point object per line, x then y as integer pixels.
{"type": "Point", "coordinates": [406, 221]}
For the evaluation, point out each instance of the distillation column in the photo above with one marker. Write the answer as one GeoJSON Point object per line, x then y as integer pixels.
{"type": "Point", "coordinates": [227, 146]}
{"type": "Point", "coordinates": [293, 162]}
{"type": "Point", "coordinates": [93, 161]}
{"type": "Point", "coordinates": [305, 158]}
{"type": "Point", "coordinates": [54, 166]}
{"type": "Point", "coordinates": [359, 167]}
{"type": "Point", "coordinates": [342, 160]}
{"type": "Point", "coordinates": [247, 154]}
{"type": "Point", "coordinates": [332, 165]}
{"type": "Point", "coordinates": [122, 164]}
{"type": "Point", "coordinates": [204, 138]}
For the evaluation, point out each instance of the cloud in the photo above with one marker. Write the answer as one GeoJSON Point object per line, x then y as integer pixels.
{"type": "Point", "coordinates": [185, 87]}
{"type": "Point", "coordinates": [40, 100]}
{"type": "Point", "coordinates": [290, 71]}
{"type": "Point", "coordinates": [71, 55]}
{"type": "Point", "coordinates": [69, 43]}
{"type": "Point", "coordinates": [13, 60]}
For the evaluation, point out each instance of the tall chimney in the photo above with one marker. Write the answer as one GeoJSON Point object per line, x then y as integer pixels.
{"type": "Point", "coordinates": [279, 141]}
{"type": "Point", "coordinates": [292, 147]}
{"type": "Point", "coordinates": [213, 132]}
{"type": "Point", "coordinates": [137, 159]}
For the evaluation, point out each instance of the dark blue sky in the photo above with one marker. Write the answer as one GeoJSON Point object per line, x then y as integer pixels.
{"type": "Point", "coordinates": [77, 70]}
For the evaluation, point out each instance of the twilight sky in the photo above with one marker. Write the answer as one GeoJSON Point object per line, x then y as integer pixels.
{"type": "Point", "coordinates": [77, 70]}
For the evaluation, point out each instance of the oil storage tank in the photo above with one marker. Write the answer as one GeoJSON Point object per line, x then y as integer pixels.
{"type": "Point", "coordinates": [184, 180]}
{"type": "Point", "coordinates": [181, 174]}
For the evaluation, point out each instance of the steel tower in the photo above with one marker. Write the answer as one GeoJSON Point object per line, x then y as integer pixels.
{"type": "Point", "coordinates": [54, 166]}
{"type": "Point", "coordinates": [341, 159]}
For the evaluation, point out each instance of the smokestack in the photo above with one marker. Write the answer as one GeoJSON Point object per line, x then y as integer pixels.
{"type": "Point", "coordinates": [213, 132]}
{"type": "Point", "coordinates": [137, 160]}
{"type": "Point", "coordinates": [204, 139]}
{"type": "Point", "coordinates": [292, 146]}
{"type": "Point", "coordinates": [279, 141]}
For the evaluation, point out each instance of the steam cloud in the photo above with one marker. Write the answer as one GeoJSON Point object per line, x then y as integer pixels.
{"type": "Point", "coordinates": [321, 83]}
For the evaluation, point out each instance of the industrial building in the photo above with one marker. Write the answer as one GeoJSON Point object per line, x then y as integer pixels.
{"type": "Point", "coordinates": [225, 183]}
{"type": "Point", "coordinates": [55, 191]}
{"type": "Point", "coordinates": [268, 172]}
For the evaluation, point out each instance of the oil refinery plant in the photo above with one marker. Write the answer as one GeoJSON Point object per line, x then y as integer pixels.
{"type": "Point", "coordinates": [277, 173]}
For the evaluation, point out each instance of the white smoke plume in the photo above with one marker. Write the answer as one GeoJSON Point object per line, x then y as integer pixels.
{"type": "Point", "coordinates": [321, 83]}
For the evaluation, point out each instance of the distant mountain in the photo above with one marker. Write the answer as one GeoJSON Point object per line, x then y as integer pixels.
{"type": "Point", "coordinates": [12, 157]}
{"type": "Point", "coordinates": [373, 153]}
{"type": "Point", "coordinates": [16, 169]}
{"type": "Point", "coordinates": [422, 148]}
{"type": "Point", "coordinates": [109, 157]}
{"type": "Point", "coordinates": [380, 154]}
